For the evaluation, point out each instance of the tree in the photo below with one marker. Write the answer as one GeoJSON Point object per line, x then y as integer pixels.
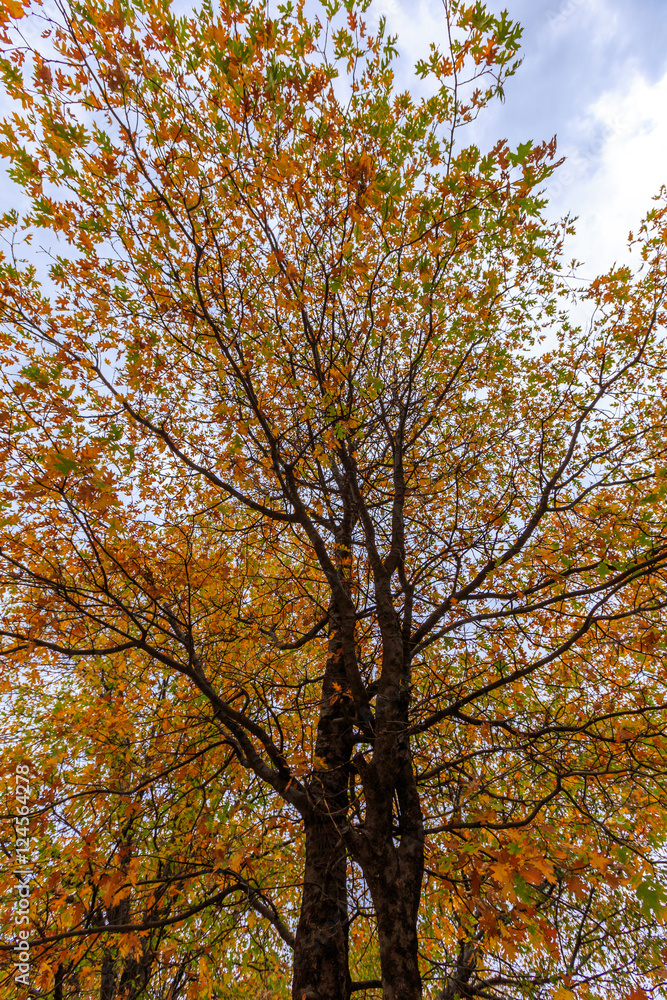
{"type": "Point", "coordinates": [333, 552]}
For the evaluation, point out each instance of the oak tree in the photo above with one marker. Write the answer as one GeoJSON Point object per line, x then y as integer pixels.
{"type": "Point", "coordinates": [333, 549]}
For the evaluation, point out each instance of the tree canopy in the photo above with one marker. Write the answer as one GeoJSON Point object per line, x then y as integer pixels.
{"type": "Point", "coordinates": [333, 547]}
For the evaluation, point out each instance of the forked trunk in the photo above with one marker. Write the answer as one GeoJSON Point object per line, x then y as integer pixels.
{"type": "Point", "coordinates": [394, 871]}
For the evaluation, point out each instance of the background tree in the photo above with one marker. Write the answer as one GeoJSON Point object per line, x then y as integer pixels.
{"type": "Point", "coordinates": [333, 553]}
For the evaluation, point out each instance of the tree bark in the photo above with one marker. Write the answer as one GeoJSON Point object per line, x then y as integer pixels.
{"type": "Point", "coordinates": [397, 932]}
{"type": "Point", "coordinates": [392, 843]}
{"type": "Point", "coordinates": [457, 986]}
{"type": "Point", "coordinates": [108, 977]}
{"type": "Point", "coordinates": [394, 876]}
{"type": "Point", "coordinates": [321, 970]}
{"type": "Point", "coordinates": [321, 947]}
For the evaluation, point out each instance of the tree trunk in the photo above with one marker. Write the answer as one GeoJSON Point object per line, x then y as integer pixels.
{"type": "Point", "coordinates": [394, 880]}
{"type": "Point", "coordinates": [321, 946]}
{"type": "Point", "coordinates": [394, 871]}
{"type": "Point", "coordinates": [108, 977]}
{"type": "Point", "coordinates": [397, 935]}
{"type": "Point", "coordinates": [457, 986]}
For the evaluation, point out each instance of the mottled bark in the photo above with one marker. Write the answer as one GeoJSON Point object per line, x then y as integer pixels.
{"type": "Point", "coordinates": [108, 977]}
{"type": "Point", "coordinates": [397, 935]}
{"type": "Point", "coordinates": [393, 869]}
{"type": "Point", "coordinates": [321, 947]}
{"type": "Point", "coordinates": [392, 843]}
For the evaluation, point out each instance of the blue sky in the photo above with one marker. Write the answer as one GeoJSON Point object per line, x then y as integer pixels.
{"type": "Point", "coordinates": [594, 73]}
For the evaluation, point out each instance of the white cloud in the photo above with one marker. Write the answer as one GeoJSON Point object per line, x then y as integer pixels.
{"type": "Point", "coordinates": [610, 181]}
{"type": "Point", "coordinates": [591, 74]}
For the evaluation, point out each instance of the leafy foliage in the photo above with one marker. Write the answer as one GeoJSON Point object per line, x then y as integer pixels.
{"type": "Point", "coordinates": [333, 554]}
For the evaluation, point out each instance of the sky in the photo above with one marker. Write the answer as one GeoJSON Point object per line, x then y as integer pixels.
{"type": "Point", "coordinates": [594, 74]}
